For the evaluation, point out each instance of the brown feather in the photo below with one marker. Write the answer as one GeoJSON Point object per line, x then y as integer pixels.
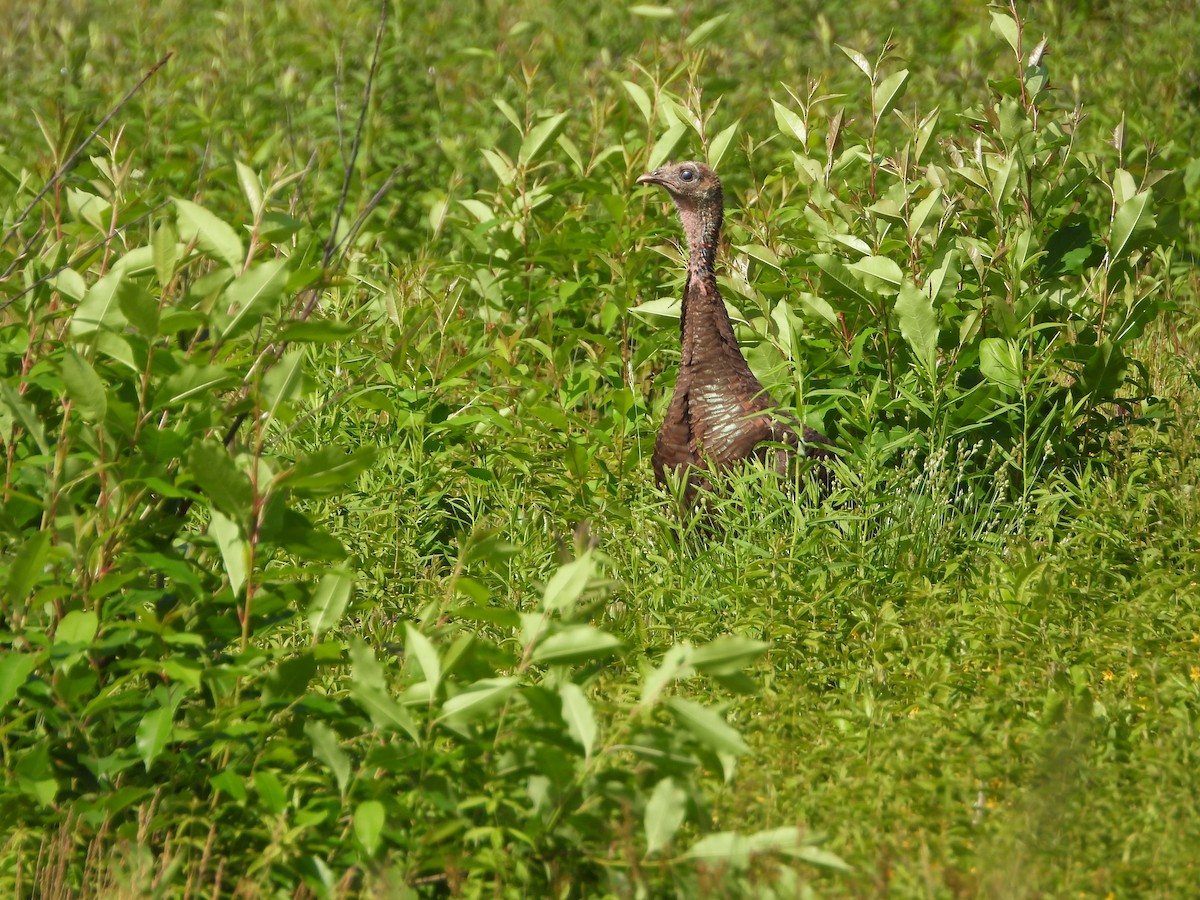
{"type": "Point", "coordinates": [720, 414]}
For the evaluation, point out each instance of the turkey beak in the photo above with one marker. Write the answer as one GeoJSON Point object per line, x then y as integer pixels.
{"type": "Point", "coordinates": [652, 178]}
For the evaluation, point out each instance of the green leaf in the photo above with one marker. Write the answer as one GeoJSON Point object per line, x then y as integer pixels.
{"type": "Point", "coordinates": [328, 750]}
{"type": "Point", "coordinates": [859, 60]}
{"type": "Point", "coordinates": [647, 11]}
{"type": "Point", "coordinates": [84, 387]}
{"type": "Point", "coordinates": [477, 700]}
{"type": "Point", "coordinates": [216, 238]}
{"type": "Point", "coordinates": [718, 145]}
{"type": "Point", "coordinates": [139, 308]}
{"type": "Point", "coordinates": [24, 413]}
{"type": "Point", "coordinates": [1133, 216]}
{"type": "Point", "coordinates": [251, 186]}
{"type": "Point", "coordinates": [329, 602]}
{"type": "Point", "coordinates": [1000, 363]}
{"type": "Point", "coordinates": [889, 91]}
{"type": "Point", "coordinates": [577, 713]}
{"type": "Point", "coordinates": [789, 123]}
{"type": "Point", "coordinates": [922, 211]}
{"type": "Point", "coordinates": [676, 663]}
{"type": "Point", "coordinates": [27, 568]}
{"type": "Point", "coordinates": [574, 644]}
{"type": "Point", "coordinates": [418, 647]}
{"type": "Point", "coordinates": [727, 655]}
{"type": "Point", "coordinates": [539, 136]}
{"type": "Point", "coordinates": [1004, 27]}
{"type": "Point", "coordinates": [762, 254]}
{"type": "Point", "coordinates": [879, 273]}
{"type": "Point", "coordinates": [270, 791]}
{"type": "Point", "coordinates": [369, 819]}
{"type": "Point", "coordinates": [167, 250]}
{"type": "Point", "coordinates": [327, 471]}
{"type": "Point", "coordinates": [235, 552]}
{"type": "Point", "coordinates": [251, 296]}
{"type": "Point", "coordinates": [227, 487]}
{"type": "Point", "coordinates": [281, 383]}
{"type": "Point", "coordinates": [706, 29]}
{"type": "Point", "coordinates": [318, 331]}
{"type": "Point", "coordinates": [154, 731]}
{"type": "Point", "coordinates": [77, 628]}
{"type": "Point", "coordinates": [14, 672]}
{"type": "Point", "coordinates": [100, 307]}
{"type": "Point", "coordinates": [568, 583]}
{"type": "Point", "coordinates": [918, 325]}
{"type": "Point", "coordinates": [194, 381]}
{"type": "Point", "coordinates": [641, 99]}
{"type": "Point", "coordinates": [665, 811]}
{"type": "Point", "coordinates": [707, 726]}
{"type": "Point", "coordinates": [840, 275]}
{"type": "Point", "coordinates": [666, 144]}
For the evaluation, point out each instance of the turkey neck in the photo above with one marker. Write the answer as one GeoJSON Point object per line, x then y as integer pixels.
{"type": "Point", "coordinates": [704, 324]}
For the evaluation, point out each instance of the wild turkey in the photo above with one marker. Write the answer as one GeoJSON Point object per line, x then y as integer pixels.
{"type": "Point", "coordinates": [720, 414]}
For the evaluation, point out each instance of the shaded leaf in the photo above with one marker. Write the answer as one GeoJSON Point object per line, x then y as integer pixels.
{"type": "Point", "coordinates": [215, 237]}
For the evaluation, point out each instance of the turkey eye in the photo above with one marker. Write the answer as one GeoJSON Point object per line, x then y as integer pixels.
{"type": "Point", "coordinates": [687, 175]}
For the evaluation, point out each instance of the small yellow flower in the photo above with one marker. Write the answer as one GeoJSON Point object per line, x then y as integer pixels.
{"type": "Point", "coordinates": [1194, 673]}
{"type": "Point", "coordinates": [1108, 675]}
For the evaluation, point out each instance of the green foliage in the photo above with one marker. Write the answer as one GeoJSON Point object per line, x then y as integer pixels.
{"type": "Point", "coordinates": [298, 421]}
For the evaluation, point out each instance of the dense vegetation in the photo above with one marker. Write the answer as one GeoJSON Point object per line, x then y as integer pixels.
{"type": "Point", "coordinates": [332, 346]}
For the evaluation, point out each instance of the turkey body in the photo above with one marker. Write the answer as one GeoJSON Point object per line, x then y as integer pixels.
{"type": "Point", "coordinates": [720, 414]}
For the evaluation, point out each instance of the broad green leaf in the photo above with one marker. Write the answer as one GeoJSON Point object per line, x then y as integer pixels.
{"type": "Point", "coordinates": [1000, 362]}
{"type": "Point", "coordinates": [727, 848]}
{"type": "Point", "coordinates": [77, 628]}
{"type": "Point", "coordinates": [665, 811]}
{"type": "Point", "coordinates": [329, 602]}
{"type": "Point", "coordinates": [1132, 216]}
{"type": "Point", "coordinates": [153, 733]}
{"type": "Point", "coordinates": [385, 713]}
{"type": "Point", "coordinates": [251, 186]}
{"type": "Point", "coordinates": [568, 583]}
{"type": "Point", "coordinates": [27, 567]}
{"type": "Point", "coordinates": [500, 164]}
{"type": "Point", "coordinates": [646, 11]}
{"type": "Point", "coordinates": [281, 383]}
{"type": "Point", "coordinates": [668, 307]}
{"type": "Point", "coordinates": [35, 774]}
{"type": "Point", "coordinates": [945, 275]}
{"type": "Point", "coordinates": [270, 791]}
{"type": "Point", "coordinates": [216, 238]}
{"type": "Point", "coordinates": [139, 308]}
{"type": "Point", "coordinates": [574, 644]}
{"type": "Point", "coordinates": [918, 325]}
{"type": "Point", "coordinates": [921, 213]}
{"type": "Point", "coordinates": [641, 99]}
{"type": "Point", "coordinates": [167, 251]}
{"type": "Point", "coordinates": [222, 481]}
{"type": "Point", "coordinates": [369, 819]}
{"type": "Point", "coordinates": [718, 145]}
{"type": "Point", "coordinates": [789, 123]}
{"type": "Point", "coordinates": [317, 331]}
{"type": "Point", "coordinates": [100, 308]}
{"type": "Point", "coordinates": [235, 552]}
{"type": "Point", "coordinates": [539, 136]}
{"type": "Point", "coordinates": [676, 663]}
{"type": "Point", "coordinates": [727, 655]}
{"type": "Point", "coordinates": [859, 60]}
{"type": "Point", "coordinates": [1004, 26]}
{"type": "Point", "coordinates": [840, 275]}
{"type": "Point", "coordinates": [889, 91]}
{"type": "Point", "coordinates": [666, 144]}
{"type": "Point", "coordinates": [707, 726]}
{"type": "Point", "coordinates": [14, 672]}
{"type": "Point", "coordinates": [577, 713]}
{"type": "Point", "coordinates": [477, 700]}
{"type": "Point", "coordinates": [24, 413]}
{"type": "Point", "coordinates": [762, 254]}
{"type": "Point", "coordinates": [251, 296]}
{"type": "Point", "coordinates": [84, 387]}
{"type": "Point", "coordinates": [328, 749]}
{"type": "Point", "coordinates": [419, 648]}
{"type": "Point", "coordinates": [327, 471]}
{"type": "Point", "coordinates": [706, 29]}
{"type": "Point", "coordinates": [194, 381]}
{"type": "Point", "coordinates": [879, 274]}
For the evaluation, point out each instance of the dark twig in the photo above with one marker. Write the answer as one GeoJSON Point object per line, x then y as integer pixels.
{"type": "Point", "coordinates": [331, 244]}
{"type": "Point", "coordinates": [74, 157]}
